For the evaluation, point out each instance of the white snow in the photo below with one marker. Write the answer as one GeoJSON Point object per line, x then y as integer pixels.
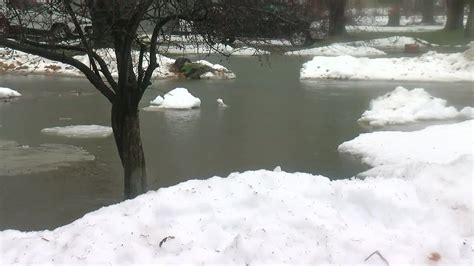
{"type": "Point", "coordinates": [397, 152]}
{"type": "Point", "coordinates": [407, 106]}
{"type": "Point", "coordinates": [430, 66]}
{"type": "Point", "coordinates": [467, 112]}
{"type": "Point", "coordinates": [390, 42]}
{"type": "Point", "coordinates": [79, 131]}
{"type": "Point", "coordinates": [220, 72]}
{"type": "Point", "coordinates": [8, 93]}
{"type": "Point", "coordinates": [157, 101]}
{"type": "Point", "coordinates": [12, 61]}
{"type": "Point", "coordinates": [179, 98]}
{"type": "Point", "coordinates": [414, 207]}
{"type": "Point", "coordinates": [217, 49]}
{"type": "Point", "coordinates": [407, 28]}
{"type": "Point", "coordinates": [338, 49]}
{"type": "Point", "coordinates": [221, 103]}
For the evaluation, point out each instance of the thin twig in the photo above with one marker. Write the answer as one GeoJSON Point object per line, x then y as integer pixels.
{"type": "Point", "coordinates": [380, 256]}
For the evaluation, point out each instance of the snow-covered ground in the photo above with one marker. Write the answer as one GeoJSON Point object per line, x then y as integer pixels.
{"type": "Point", "coordinates": [372, 19]}
{"type": "Point", "coordinates": [79, 131]}
{"type": "Point", "coordinates": [414, 207]}
{"type": "Point", "coordinates": [8, 93]}
{"type": "Point", "coordinates": [431, 66]}
{"type": "Point", "coordinates": [362, 48]}
{"type": "Point", "coordinates": [407, 106]}
{"type": "Point", "coordinates": [394, 42]}
{"type": "Point", "coordinates": [408, 28]}
{"type": "Point", "coordinates": [179, 98]}
{"type": "Point", "coordinates": [407, 24]}
{"type": "Point", "coordinates": [206, 49]}
{"type": "Point", "coordinates": [338, 49]}
{"type": "Point", "coordinates": [18, 62]}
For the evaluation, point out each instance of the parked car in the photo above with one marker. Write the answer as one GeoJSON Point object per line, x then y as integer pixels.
{"type": "Point", "coordinates": [40, 20]}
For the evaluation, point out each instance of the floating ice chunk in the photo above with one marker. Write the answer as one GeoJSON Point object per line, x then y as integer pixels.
{"type": "Point", "coordinates": [405, 106]}
{"type": "Point", "coordinates": [16, 159]}
{"type": "Point", "coordinates": [157, 101]}
{"type": "Point", "coordinates": [179, 98]}
{"type": "Point", "coordinates": [221, 103]}
{"type": "Point", "coordinates": [79, 131]}
{"type": "Point", "coordinates": [8, 93]}
{"type": "Point", "coordinates": [467, 112]}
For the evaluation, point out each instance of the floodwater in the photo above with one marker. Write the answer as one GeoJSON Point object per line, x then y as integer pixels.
{"type": "Point", "coordinates": [274, 119]}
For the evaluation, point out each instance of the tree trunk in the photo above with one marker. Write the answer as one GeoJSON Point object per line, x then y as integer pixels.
{"type": "Point", "coordinates": [394, 14]}
{"type": "Point", "coordinates": [126, 127]}
{"type": "Point", "coordinates": [337, 19]}
{"type": "Point", "coordinates": [455, 14]}
{"type": "Point", "coordinates": [428, 12]}
{"type": "Point", "coordinates": [469, 31]}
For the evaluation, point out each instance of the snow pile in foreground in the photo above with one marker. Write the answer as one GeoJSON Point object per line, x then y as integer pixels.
{"type": "Point", "coordinates": [79, 131]}
{"type": "Point", "coordinates": [12, 61]}
{"type": "Point", "coordinates": [179, 98]}
{"type": "Point", "coordinates": [390, 42]}
{"type": "Point", "coordinates": [415, 209]}
{"type": "Point", "coordinates": [338, 49]}
{"type": "Point", "coordinates": [8, 93]}
{"type": "Point", "coordinates": [403, 106]}
{"type": "Point", "coordinates": [430, 66]}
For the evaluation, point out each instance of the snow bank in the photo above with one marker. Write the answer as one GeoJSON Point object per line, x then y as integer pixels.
{"type": "Point", "coordinates": [8, 93]}
{"type": "Point", "coordinates": [12, 61]}
{"type": "Point", "coordinates": [179, 98]}
{"type": "Point", "coordinates": [430, 66]}
{"type": "Point", "coordinates": [220, 72]}
{"type": "Point", "coordinates": [391, 42]}
{"type": "Point", "coordinates": [403, 106]}
{"type": "Point", "coordinates": [397, 151]}
{"type": "Point", "coordinates": [79, 131]}
{"type": "Point", "coordinates": [217, 49]}
{"type": "Point", "coordinates": [338, 49]}
{"type": "Point", "coordinates": [415, 207]}
{"type": "Point", "coordinates": [407, 28]}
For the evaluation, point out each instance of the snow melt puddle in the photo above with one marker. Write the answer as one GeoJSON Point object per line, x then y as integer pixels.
{"type": "Point", "coordinates": [414, 207]}
{"type": "Point", "coordinates": [79, 131]}
{"type": "Point", "coordinates": [18, 159]}
{"type": "Point", "coordinates": [403, 106]}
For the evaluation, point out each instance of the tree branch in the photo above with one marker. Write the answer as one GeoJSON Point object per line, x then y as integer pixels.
{"type": "Point", "coordinates": [90, 75]}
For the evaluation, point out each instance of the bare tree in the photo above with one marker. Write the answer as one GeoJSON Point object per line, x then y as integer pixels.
{"type": "Point", "coordinates": [118, 25]}
{"type": "Point", "coordinates": [455, 14]}
{"type": "Point", "coordinates": [428, 12]}
{"type": "Point", "coordinates": [394, 13]}
{"type": "Point", "coordinates": [337, 19]}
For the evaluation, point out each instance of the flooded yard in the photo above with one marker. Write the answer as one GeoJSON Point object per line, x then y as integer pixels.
{"type": "Point", "coordinates": [273, 119]}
